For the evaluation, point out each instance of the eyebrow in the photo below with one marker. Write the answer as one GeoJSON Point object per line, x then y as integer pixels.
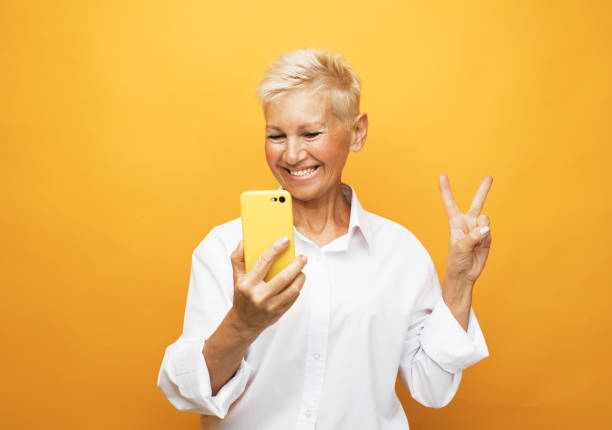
{"type": "Point", "coordinates": [302, 126]}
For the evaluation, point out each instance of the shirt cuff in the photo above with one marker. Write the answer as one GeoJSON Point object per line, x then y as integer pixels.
{"type": "Point", "coordinates": [193, 381]}
{"type": "Point", "coordinates": [448, 344]}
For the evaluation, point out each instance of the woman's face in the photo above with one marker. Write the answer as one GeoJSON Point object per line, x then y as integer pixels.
{"type": "Point", "coordinates": [306, 145]}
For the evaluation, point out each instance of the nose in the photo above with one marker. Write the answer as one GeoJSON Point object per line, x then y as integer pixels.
{"type": "Point", "coordinates": [294, 151]}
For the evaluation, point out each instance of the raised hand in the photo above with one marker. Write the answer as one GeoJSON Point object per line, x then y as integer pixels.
{"type": "Point", "coordinates": [470, 236]}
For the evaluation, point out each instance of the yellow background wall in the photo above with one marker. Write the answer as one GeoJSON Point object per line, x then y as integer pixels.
{"type": "Point", "coordinates": [128, 130]}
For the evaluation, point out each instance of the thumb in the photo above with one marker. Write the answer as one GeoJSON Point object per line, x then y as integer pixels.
{"type": "Point", "coordinates": [237, 258]}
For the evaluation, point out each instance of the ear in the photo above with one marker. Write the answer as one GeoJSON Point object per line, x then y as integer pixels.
{"type": "Point", "coordinates": [359, 132]}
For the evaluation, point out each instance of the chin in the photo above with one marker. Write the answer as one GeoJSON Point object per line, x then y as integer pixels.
{"type": "Point", "coordinates": [305, 193]}
{"type": "Point", "coordinates": [302, 195]}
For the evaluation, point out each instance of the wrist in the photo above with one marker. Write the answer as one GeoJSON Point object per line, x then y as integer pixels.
{"type": "Point", "coordinates": [240, 328]}
{"type": "Point", "coordinates": [457, 292]}
{"type": "Point", "coordinates": [461, 284]}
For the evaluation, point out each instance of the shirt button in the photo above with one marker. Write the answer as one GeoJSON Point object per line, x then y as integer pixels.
{"type": "Point", "coordinates": [316, 355]}
{"type": "Point", "coordinates": [307, 413]}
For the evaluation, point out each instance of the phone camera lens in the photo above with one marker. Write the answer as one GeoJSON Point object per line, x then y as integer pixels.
{"type": "Point", "coordinates": [281, 199]}
{"type": "Point", "coordinates": [273, 199]}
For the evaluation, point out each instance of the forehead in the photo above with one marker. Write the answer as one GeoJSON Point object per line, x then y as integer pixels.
{"type": "Point", "coordinates": [297, 108]}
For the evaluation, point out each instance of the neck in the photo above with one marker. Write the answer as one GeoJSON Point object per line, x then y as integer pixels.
{"type": "Point", "coordinates": [323, 219]}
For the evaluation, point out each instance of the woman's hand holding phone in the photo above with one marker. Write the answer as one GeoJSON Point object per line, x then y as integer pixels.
{"type": "Point", "coordinates": [257, 303]}
{"type": "Point", "coordinates": [263, 293]}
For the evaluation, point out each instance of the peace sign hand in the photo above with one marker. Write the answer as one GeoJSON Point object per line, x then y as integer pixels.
{"type": "Point", "coordinates": [470, 238]}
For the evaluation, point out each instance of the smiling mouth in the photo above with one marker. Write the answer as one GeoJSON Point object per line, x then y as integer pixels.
{"type": "Point", "coordinates": [304, 172]}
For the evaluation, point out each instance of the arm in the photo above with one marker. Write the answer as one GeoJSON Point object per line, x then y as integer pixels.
{"type": "Point", "coordinates": [224, 350]}
{"type": "Point", "coordinates": [457, 296]}
{"type": "Point", "coordinates": [184, 375]}
{"type": "Point", "coordinates": [256, 305]}
{"type": "Point", "coordinates": [205, 371]}
{"type": "Point", "coordinates": [437, 348]}
{"type": "Point", "coordinates": [446, 338]}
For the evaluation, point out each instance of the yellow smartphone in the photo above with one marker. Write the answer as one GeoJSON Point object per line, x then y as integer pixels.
{"type": "Point", "coordinates": [266, 217]}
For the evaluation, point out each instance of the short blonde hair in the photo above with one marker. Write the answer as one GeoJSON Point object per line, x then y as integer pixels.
{"type": "Point", "coordinates": [316, 69]}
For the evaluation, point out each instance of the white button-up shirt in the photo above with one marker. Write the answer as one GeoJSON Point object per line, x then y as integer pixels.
{"type": "Point", "coordinates": [371, 310]}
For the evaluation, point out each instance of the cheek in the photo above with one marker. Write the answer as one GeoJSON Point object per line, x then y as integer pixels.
{"type": "Point", "coordinates": [269, 153]}
{"type": "Point", "coordinates": [331, 153]}
{"type": "Point", "coordinates": [272, 155]}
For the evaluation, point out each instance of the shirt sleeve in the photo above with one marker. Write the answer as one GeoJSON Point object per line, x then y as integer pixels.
{"type": "Point", "coordinates": [437, 348]}
{"type": "Point", "coordinates": [183, 376]}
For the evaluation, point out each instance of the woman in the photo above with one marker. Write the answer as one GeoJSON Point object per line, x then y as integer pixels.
{"type": "Point", "coordinates": [322, 343]}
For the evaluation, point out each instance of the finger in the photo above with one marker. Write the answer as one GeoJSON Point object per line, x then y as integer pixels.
{"type": "Point", "coordinates": [448, 200]}
{"type": "Point", "coordinates": [286, 276]}
{"type": "Point", "coordinates": [481, 195]}
{"type": "Point", "coordinates": [237, 258]}
{"type": "Point", "coordinates": [262, 265]}
{"type": "Point", "coordinates": [289, 295]}
{"type": "Point", "coordinates": [483, 220]}
{"type": "Point", "coordinates": [476, 236]}
{"type": "Point", "coordinates": [486, 242]}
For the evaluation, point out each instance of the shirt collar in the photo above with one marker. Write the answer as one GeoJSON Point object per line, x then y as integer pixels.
{"type": "Point", "coordinates": [359, 218]}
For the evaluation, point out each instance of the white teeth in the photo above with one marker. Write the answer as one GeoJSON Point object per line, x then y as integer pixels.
{"type": "Point", "coordinates": [302, 172]}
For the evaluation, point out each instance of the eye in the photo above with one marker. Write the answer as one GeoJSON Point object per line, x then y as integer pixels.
{"type": "Point", "coordinates": [312, 135]}
{"type": "Point", "coordinates": [276, 137]}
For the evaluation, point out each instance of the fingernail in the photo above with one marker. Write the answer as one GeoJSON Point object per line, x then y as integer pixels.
{"type": "Point", "coordinates": [484, 230]}
{"type": "Point", "coordinates": [284, 240]}
{"type": "Point", "coordinates": [305, 259]}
